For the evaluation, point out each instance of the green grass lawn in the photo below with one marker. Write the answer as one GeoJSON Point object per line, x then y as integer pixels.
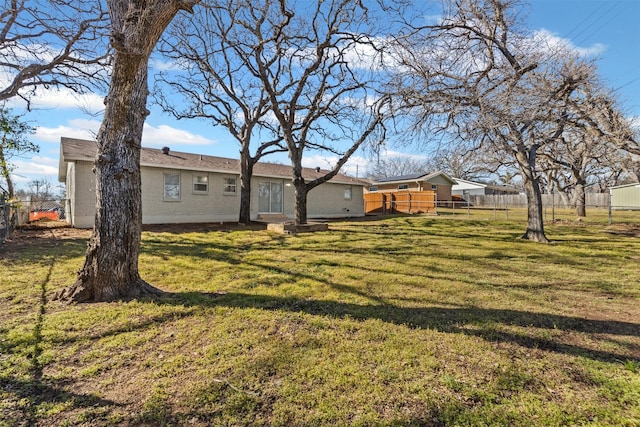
{"type": "Point", "coordinates": [400, 321]}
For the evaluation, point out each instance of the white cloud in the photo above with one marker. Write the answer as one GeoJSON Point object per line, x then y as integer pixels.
{"type": "Point", "coordinates": [547, 39]}
{"type": "Point", "coordinates": [355, 166]}
{"type": "Point", "coordinates": [75, 128]}
{"type": "Point", "coordinates": [36, 166]}
{"type": "Point", "coordinates": [152, 136]}
{"type": "Point", "coordinates": [170, 136]}
{"type": "Point", "coordinates": [634, 122]}
{"type": "Point", "coordinates": [163, 65]}
{"type": "Point", "coordinates": [61, 98]}
{"type": "Point", "coordinates": [386, 154]}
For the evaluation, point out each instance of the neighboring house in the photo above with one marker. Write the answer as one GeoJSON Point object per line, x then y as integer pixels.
{"type": "Point", "coordinates": [625, 197]}
{"type": "Point", "coordinates": [193, 188]}
{"type": "Point", "coordinates": [464, 187]}
{"type": "Point", "coordinates": [439, 182]}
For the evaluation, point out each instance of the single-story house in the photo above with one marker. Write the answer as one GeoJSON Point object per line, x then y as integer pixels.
{"type": "Point", "coordinates": [464, 187]}
{"type": "Point", "coordinates": [193, 188]}
{"type": "Point", "coordinates": [439, 182]}
{"type": "Point", "coordinates": [625, 197]}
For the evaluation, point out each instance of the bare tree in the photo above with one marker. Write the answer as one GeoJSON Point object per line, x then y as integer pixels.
{"type": "Point", "coordinates": [462, 162]}
{"type": "Point", "coordinates": [51, 43]}
{"type": "Point", "coordinates": [41, 190]}
{"type": "Point", "coordinates": [110, 269]}
{"type": "Point", "coordinates": [315, 60]}
{"type": "Point", "coordinates": [590, 144]}
{"type": "Point", "coordinates": [574, 164]}
{"type": "Point", "coordinates": [628, 170]}
{"type": "Point", "coordinates": [386, 167]}
{"type": "Point", "coordinates": [218, 83]}
{"type": "Point", "coordinates": [481, 77]}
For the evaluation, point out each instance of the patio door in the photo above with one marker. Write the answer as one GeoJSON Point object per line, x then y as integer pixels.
{"type": "Point", "coordinates": [270, 197]}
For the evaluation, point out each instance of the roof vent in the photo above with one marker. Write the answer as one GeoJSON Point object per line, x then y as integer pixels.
{"type": "Point", "coordinates": [165, 150]}
{"type": "Point", "coordinates": [318, 169]}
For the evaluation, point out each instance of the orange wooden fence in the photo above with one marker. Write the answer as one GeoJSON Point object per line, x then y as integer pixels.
{"type": "Point", "coordinates": [400, 202]}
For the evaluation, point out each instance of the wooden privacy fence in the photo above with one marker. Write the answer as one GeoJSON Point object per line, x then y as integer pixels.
{"type": "Point", "coordinates": [400, 202]}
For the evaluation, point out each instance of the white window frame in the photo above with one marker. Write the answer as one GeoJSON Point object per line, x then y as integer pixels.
{"type": "Point", "coordinates": [348, 192]}
{"type": "Point", "coordinates": [373, 188]}
{"type": "Point", "coordinates": [403, 187]}
{"type": "Point", "coordinates": [171, 192]}
{"type": "Point", "coordinates": [227, 186]}
{"type": "Point", "coordinates": [197, 181]}
{"type": "Point", "coordinates": [434, 187]}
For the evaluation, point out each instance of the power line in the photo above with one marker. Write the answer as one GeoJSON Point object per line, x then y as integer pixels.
{"type": "Point", "coordinates": [585, 20]}
{"type": "Point", "coordinates": [615, 15]}
{"type": "Point", "coordinates": [626, 84]}
{"type": "Point", "coordinates": [610, 7]}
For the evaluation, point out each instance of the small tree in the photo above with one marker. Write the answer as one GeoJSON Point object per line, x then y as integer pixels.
{"type": "Point", "coordinates": [110, 269]}
{"type": "Point", "coordinates": [13, 142]}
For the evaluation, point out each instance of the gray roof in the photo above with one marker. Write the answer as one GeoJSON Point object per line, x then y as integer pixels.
{"type": "Point", "coordinates": [72, 149]}
{"type": "Point", "coordinates": [421, 176]}
{"type": "Point", "coordinates": [505, 188]}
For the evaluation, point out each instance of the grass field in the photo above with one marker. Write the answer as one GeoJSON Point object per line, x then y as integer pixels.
{"type": "Point", "coordinates": [400, 321]}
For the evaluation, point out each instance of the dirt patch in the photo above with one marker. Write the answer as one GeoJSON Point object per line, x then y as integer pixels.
{"type": "Point", "coordinates": [630, 230]}
{"type": "Point", "coordinates": [49, 232]}
{"type": "Point", "coordinates": [202, 227]}
{"type": "Point", "coordinates": [42, 234]}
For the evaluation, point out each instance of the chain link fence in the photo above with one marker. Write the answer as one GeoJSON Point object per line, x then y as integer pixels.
{"type": "Point", "coordinates": [22, 213]}
{"type": "Point", "coordinates": [48, 210]}
{"type": "Point", "coordinates": [555, 207]}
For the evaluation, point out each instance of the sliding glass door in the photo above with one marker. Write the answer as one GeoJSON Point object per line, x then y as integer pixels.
{"type": "Point", "coordinates": [270, 197]}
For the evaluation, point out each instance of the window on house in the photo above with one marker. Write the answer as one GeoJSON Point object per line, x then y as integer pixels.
{"type": "Point", "coordinates": [403, 187]}
{"type": "Point", "coordinates": [200, 184]}
{"type": "Point", "coordinates": [172, 186]}
{"type": "Point", "coordinates": [373, 188]}
{"type": "Point", "coordinates": [347, 192]}
{"type": "Point", "coordinates": [434, 186]}
{"type": "Point", "coordinates": [229, 185]}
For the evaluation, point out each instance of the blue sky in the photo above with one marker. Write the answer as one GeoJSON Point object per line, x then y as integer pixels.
{"type": "Point", "coordinates": [606, 30]}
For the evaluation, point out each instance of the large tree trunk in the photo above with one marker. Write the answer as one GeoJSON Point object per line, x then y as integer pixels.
{"type": "Point", "coordinates": [300, 206]}
{"type": "Point", "coordinates": [581, 200]}
{"type": "Point", "coordinates": [246, 168]}
{"type": "Point", "coordinates": [535, 222]}
{"type": "Point", "coordinates": [110, 269]}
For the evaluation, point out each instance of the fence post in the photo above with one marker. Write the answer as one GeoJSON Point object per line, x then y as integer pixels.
{"type": "Point", "coordinates": [495, 207]}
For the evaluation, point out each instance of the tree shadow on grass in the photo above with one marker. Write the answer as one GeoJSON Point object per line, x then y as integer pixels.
{"type": "Point", "coordinates": [467, 320]}
{"type": "Point", "coordinates": [26, 399]}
